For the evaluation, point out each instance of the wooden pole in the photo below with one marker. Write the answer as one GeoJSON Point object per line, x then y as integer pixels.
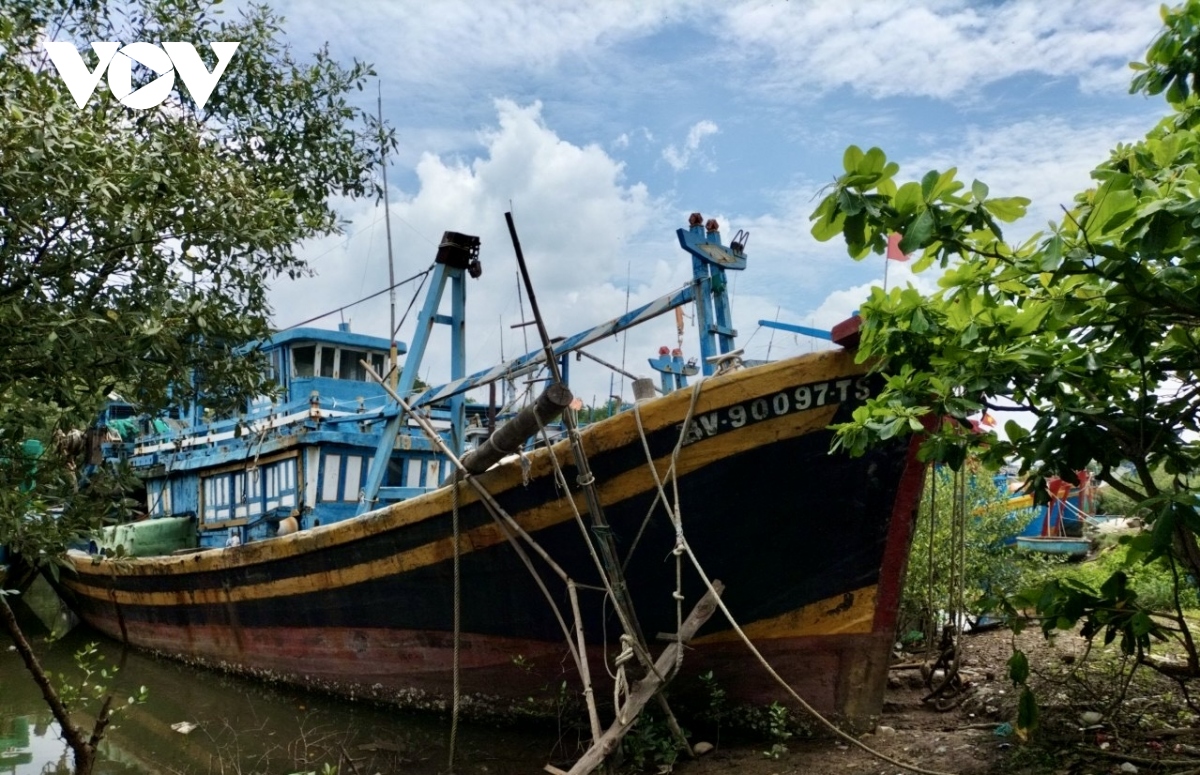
{"type": "Point", "coordinates": [649, 687]}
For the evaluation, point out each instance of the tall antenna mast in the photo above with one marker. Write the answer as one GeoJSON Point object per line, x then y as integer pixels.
{"type": "Point", "coordinates": [387, 222]}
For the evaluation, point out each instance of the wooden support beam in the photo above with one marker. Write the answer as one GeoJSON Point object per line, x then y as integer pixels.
{"type": "Point", "coordinates": [647, 688]}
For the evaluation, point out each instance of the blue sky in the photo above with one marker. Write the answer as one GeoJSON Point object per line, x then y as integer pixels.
{"type": "Point", "coordinates": [604, 124]}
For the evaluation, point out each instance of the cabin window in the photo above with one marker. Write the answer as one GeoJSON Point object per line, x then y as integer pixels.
{"type": "Point", "coordinates": [304, 360]}
{"type": "Point", "coordinates": [272, 371]}
{"type": "Point", "coordinates": [158, 498]}
{"type": "Point", "coordinates": [252, 482]}
{"type": "Point", "coordinates": [328, 359]}
{"type": "Point", "coordinates": [329, 480]}
{"type": "Point", "coordinates": [241, 497]}
{"type": "Point", "coordinates": [353, 478]}
{"type": "Point", "coordinates": [377, 361]}
{"type": "Point", "coordinates": [350, 367]}
{"type": "Point", "coordinates": [216, 498]}
{"type": "Point", "coordinates": [287, 482]}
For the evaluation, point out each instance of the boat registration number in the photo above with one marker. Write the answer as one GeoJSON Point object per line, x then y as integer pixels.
{"type": "Point", "coordinates": [790, 401]}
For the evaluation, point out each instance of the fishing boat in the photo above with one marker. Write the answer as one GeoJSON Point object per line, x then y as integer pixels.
{"type": "Point", "coordinates": [1057, 526]}
{"type": "Point", "coordinates": [313, 538]}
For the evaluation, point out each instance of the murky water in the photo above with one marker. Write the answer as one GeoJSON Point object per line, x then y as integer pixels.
{"type": "Point", "coordinates": [240, 726]}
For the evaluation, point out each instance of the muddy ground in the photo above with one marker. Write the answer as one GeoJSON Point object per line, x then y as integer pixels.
{"type": "Point", "coordinates": [974, 736]}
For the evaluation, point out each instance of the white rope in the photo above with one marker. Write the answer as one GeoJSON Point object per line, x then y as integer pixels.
{"type": "Point", "coordinates": [621, 684]}
{"type": "Point", "coordinates": [672, 472]}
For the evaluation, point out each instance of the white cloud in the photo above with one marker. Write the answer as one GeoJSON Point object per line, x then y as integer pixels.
{"type": "Point", "coordinates": [680, 158]}
{"type": "Point", "coordinates": [941, 48]}
{"type": "Point", "coordinates": [440, 41]}
{"type": "Point", "coordinates": [1047, 159]}
{"type": "Point", "coordinates": [581, 226]}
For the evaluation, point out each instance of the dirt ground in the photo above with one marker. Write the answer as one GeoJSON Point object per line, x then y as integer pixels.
{"type": "Point", "coordinates": [974, 736]}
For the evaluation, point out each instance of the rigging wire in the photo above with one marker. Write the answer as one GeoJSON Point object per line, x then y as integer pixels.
{"type": "Point", "coordinates": [625, 334]}
{"type": "Point", "coordinates": [358, 301]}
{"type": "Point", "coordinates": [771, 341]}
{"type": "Point", "coordinates": [411, 302]}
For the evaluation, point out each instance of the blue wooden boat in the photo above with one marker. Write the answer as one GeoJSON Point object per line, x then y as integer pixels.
{"type": "Point", "coordinates": [1057, 526]}
{"type": "Point", "coordinates": [314, 533]}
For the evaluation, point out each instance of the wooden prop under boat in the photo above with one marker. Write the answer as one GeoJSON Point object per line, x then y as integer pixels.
{"type": "Point", "coordinates": [811, 547]}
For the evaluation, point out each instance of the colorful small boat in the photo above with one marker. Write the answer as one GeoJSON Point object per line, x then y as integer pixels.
{"type": "Point", "coordinates": [1057, 525]}
{"type": "Point", "coordinates": [312, 539]}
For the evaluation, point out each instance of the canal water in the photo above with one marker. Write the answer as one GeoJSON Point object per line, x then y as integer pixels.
{"type": "Point", "coordinates": [236, 725]}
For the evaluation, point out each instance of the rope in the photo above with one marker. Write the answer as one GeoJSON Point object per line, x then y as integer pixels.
{"type": "Point", "coordinates": [637, 416]}
{"type": "Point", "coordinates": [931, 621]}
{"type": "Point", "coordinates": [621, 683]}
{"type": "Point", "coordinates": [457, 618]}
{"type": "Point", "coordinates": [850, 739]}
{"type": "Point", "coordinates": [622, 614]}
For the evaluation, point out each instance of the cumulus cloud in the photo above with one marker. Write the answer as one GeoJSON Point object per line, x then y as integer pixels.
{"type": "Point", "coordinates": [584, 230]}
{"type": "Point", "coordinates": [679, 158]}
{"type": "Point", "coordinates": [1047, 159]}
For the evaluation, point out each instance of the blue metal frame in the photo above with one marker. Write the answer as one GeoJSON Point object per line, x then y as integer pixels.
{"type": "Point", "coordinates": [710, 259]}
{"type": "Point", "coordinates": [673, 372]}
{"type": "Point", "coordinates": [429, 315]}
{"type": "Point", "coordinates": [817, 333]}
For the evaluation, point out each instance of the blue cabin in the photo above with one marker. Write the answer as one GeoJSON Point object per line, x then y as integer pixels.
{"type": "Point", "coordinates": [293, 461]}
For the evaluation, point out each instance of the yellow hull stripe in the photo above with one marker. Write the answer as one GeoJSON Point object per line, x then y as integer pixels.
{"type": "Point", "coordinates": [613, 433]}
{"type": "Point", "coordinates": [629, 484]}
{"type": "Point", "coordinates": [850, 614]}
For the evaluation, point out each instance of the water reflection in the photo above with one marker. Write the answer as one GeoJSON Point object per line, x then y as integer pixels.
{"type": "Point", "coordinates": [237, 726]}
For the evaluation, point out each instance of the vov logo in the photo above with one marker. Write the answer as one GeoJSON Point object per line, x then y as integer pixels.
{"type": "Point", "coordinates": [178, 58]}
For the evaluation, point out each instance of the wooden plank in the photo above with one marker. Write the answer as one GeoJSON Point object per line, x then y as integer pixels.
{"type": "Point", "coordinates": [645, 690]}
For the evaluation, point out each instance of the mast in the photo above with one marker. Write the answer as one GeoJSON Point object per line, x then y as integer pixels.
{"type": "Point", "coordinates": [387, 222]}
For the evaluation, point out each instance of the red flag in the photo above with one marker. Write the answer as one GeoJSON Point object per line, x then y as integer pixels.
{"type": "Point", "coordinates": [893, 248]}
{"type": "Point", "coordinates": [988, 420]}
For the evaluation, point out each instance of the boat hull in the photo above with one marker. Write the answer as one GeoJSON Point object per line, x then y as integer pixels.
{"type": "Point", "coordinates": [1071, 547]}
{"type": "Point", "coordinates": [811, 547]}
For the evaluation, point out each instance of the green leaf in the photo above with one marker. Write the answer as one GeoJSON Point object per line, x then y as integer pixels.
{"type": "Point", "coordinates": [1007, 209]}
{"type": "Point", "coordinates": [872, 163]}
{"type": "Point", "coordinates": [1113, 205]}
{"type": "Point", "coordinates": [1027, 712]}
{"type": "Point", "coordinates": [829, 220]}
{"type": "Point", "coordinates": [852, 157]}
{"type": "Point", "coordinates": [917, 233]}
{"type": "Point", "coordinates": [1018, 667]}
{"type": "Point", "coordinates": [908, 199]}
{"type": "Point", "coordinates": [1029, 318]}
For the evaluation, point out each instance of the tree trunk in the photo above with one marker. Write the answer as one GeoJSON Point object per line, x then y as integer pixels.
{"type": "Point", "coordinates": [84, 750]}
{"type": "Point", "coordinates": [1188, 553]}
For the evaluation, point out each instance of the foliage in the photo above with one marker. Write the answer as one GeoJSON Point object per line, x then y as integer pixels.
{"type": "Point", "coordinates": [1091, 326]}
{"type": "Point", "coordinates": [649, 743]}
{"type": "Point", "coordinates": [991, 566]}
{"type": "Point", "coordinates": [1153, 582]}
{"type": "Point", "coordinates": [136, 246]}
{"type": "Point", "coordinates": [718, 709]}
{"type": "Point", "coordinates": [94, 685]}
{"type": "Point", "coordinates": [779, 722]}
